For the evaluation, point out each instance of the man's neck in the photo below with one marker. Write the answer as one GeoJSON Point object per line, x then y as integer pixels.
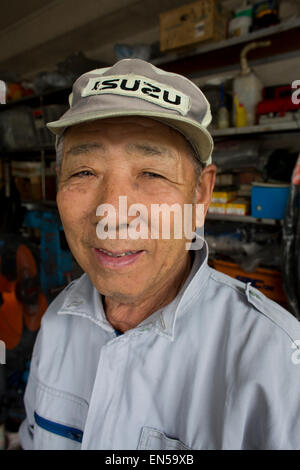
{"type": "Point", "coordinates": [125, 316]}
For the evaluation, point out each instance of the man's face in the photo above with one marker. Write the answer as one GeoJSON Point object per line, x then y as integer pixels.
{"type": "Point", "coordinates": [149, 163]}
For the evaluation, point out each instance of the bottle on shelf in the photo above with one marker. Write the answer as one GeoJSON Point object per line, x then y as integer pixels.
{"type": "Point", "coordinates": [240, 113]}
{"type": "Point", "coordinates": [242, 21]}
{"type": "Point", "coordinates": [223, 113]}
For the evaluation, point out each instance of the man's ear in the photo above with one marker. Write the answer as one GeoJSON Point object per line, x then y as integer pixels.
{"type": "Point", "coordinates": [205, 188]}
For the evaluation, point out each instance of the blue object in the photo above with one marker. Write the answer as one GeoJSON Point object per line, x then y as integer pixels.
{"type": "Point", "coordinates": [26, 372]}
{"type": "Point", "coordinates": [138, 51]}
{"type": "Point", "coordinates": [55, 260]}
{"type": "Point", "coordinates": [269, 201]}
{"type": "Point", "coordinates": [57, 428]}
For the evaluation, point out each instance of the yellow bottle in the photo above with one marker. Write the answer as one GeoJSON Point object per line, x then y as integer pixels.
{"type": "Point", "coordinates": [241, 114]}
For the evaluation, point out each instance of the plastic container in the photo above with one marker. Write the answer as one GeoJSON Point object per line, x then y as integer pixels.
{"type": "Point", "coordinates": [240, 113]}
{"type": "Point", "coordinates": [269, 201]}
{"type": "Point", "coordinates": [223, 113]}
{"type": "Point", "coordinates": [247, 87]}
{"type": "Point", "coordinates": [223, 118]}
{"type": "Point", "coordinates": [241, 23]}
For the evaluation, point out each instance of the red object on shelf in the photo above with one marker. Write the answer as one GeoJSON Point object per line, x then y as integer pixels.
{"type": "Point", "coordinates": [280, 103]}
{"type": "Point", "coordinates": [16, 91]}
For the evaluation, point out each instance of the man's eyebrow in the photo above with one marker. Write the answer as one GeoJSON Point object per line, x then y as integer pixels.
{"type": "Point", "coordinates": [84, 148]}
{"type": "Point", "coordinates": [149, 149]}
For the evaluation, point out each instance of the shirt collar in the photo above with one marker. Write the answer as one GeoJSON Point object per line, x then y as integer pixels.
{"type": "Point", "coordinates": [166, 317]}
{"type": "Point", "coordinates": [83, 299]}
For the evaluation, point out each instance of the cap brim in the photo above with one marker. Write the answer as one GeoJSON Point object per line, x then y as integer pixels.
{"type": "Point", "coordinates": [197, 134]}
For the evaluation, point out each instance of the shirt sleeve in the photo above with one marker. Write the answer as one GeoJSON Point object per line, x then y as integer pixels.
{"type": "Point", "coordinates": [264, 399]}
{"type": "Point", "coordinates": [26, 430]}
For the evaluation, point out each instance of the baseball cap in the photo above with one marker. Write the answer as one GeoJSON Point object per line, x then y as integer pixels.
{"type": "Point", "coordinates": [134, 87]}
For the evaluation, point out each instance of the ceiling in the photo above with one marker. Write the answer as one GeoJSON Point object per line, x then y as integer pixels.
{"type": "Point", "coordinates": [13, 11]}
{"type": "Point", "coordinates": [37, 34]}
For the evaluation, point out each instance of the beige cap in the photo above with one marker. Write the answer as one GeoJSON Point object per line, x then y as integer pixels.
{"type": "Point", "coordinates": [133, 87]}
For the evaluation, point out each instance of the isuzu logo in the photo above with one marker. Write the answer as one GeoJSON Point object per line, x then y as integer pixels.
{"type": "Point", "coordinates": [136, 86]}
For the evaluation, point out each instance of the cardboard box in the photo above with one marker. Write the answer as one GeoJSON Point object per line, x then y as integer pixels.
{"type": "Point", "coordinates": [238, 207]}
{"type": "Point", "coordinates": [223, 196]}
{"type": "Point", "coordinates": [205, 20]}
{"type": "Point", "coordinates": [217, 208]}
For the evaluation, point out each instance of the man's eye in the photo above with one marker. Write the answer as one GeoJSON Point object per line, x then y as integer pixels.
{"type": "Point", "coordinates": [81, 174]}
{"type": "Point", "coordinates": [150, 174]}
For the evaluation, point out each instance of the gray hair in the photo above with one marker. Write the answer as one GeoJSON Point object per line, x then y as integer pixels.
{"type": "Point", "coordinates": [59, 151]}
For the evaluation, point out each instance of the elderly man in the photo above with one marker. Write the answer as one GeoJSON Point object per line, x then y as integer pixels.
{"type": "Point", "coordinates": [151, 348]}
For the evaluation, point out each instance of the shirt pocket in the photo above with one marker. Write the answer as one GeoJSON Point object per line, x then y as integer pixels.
{"type": "Point", "coordinates": [153, 439]}
{"type": "Point", "coordinates": [59, 419]}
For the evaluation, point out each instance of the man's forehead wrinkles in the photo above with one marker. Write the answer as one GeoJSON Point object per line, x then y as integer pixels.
{"type": "Point", "coordinates": [143, 149]}
{"type": "Point", "coordinates": [149, 149]}
{"type": "Point", "coordinates": [78, 149]}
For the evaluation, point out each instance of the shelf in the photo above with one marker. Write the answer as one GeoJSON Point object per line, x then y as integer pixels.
{"type": "Point", "coordinates": [243, 218]}
{"type": "Point", "coordinates": [38, 100]}
{"type": "Point", "coordinates": [35, 149]}
{"type": "Point", "coordinates": [39, 205]}
{"type": "Point", "coordinates": [258, 129]}
{"type": "Point", "coordinates": [215, 58]}
{"type": "Point", "coordinates": [213, 46]}
{"type": "Point", "coordinates": [51, 205]}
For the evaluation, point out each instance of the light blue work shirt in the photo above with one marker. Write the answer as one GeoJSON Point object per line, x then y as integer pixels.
{"type": "Point", "coordinates": [217, 368]}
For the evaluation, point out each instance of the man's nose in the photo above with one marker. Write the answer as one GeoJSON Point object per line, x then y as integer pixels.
{"type": "Point", "coordinates": [117, 192]}
{"type": "Point", "coordinates": [116, 184]}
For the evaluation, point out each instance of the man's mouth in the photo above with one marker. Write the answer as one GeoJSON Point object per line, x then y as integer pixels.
{"type": "Point", "coordinates": [116, 259]}
{"type": "Point", "coordinates": [118, 255]}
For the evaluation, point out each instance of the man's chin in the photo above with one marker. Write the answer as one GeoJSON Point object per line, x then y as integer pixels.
{"type": "Point", "coordinates": [123, 296]}
{"type": "Point", "coordinates": [126, 289]}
